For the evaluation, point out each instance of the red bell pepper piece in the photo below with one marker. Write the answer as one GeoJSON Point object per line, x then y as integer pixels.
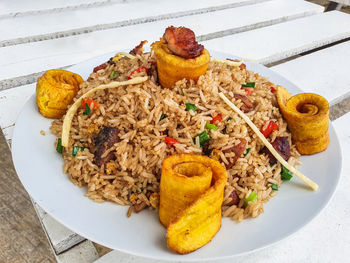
{"type": "Point", "coordinates": [91, 103]}
{"type": "Point", "coordinates": [138, 70]}
{"type": "Point", "coordinates": [170, 141]}
{"type": "Point", "coordinates": [268, 128]}
{"type": "Point", "coordinates": [249, 92]}
{"type": "Point", "coordinates": [216, 118]}
{"type": "Point", "coordinates": [273, 90]}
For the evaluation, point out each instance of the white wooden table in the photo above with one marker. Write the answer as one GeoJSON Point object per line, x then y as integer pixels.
{"type": "Point", "coordinates": [39, 35]}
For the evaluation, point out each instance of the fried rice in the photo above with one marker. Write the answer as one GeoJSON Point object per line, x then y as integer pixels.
{"type": "Point", "coordinates": [147, 113]}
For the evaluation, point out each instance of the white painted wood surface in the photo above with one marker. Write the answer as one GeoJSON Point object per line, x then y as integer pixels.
{"type": "Point", "coordinates": [85, 252]}
{"type": "Point", "coordinates": [10, 8]}
{"type": "Point", "coordinates": [276, 42]}
{"type": "Point", "coordinates": [326, 72]}
{"type": "Point", "coordinates": [17, 27]}
{"type": "Point", "coordinates": [39, 56]}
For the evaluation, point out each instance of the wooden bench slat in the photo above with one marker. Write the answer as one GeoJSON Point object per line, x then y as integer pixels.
{"type": "Point", "coordinates": [84, 252]}
{"type": "Point", "coordinates": [40, 56]}
{"type": "Point", "coordinates": [11, 103]}
{"type": "Point", "coordinates": [276, 42]}
{"type": "Point", "coordinates": [325, 72]}
{"type": "Point", "coordinates": [87, 19]}
{"type": "Point", "coordinates": [10, 8]}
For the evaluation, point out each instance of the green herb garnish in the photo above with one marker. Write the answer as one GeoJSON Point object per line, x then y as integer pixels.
{"type": "Point", "coordinates": [190, 106]}
{"type": "Point", "coordinates": [286, 174]}
{"type": "Point", "coordinates": [87, 110]}
{"type": "Point", "coordinates": [210, 126]}
{"type": "Point", "coordinates": [76, 149]}
{"type": "Point", "coordinates": [249, 84]}
{"type": "Point", "coordinates": [182, 92]}
{"type": "Point", "coordinates": [246, 151]}
{"type": "Point", "coordinates": [274, 187]}
{"type": "Point", "coordinates": [252, 197]}
{"type": "Point", "coordinates": [59, 147]}
{"type": "Point", "coordinates": [163, 116]}
{"type": "Point", "coordinates": [229, 118]}
{"type": "Point", "coordinates": [203, 138]}
{"type": "Point", "coordinates": [113, 75]}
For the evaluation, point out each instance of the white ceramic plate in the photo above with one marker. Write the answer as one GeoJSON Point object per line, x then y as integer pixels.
{"type": "Point", "coordinates": [39, 168]}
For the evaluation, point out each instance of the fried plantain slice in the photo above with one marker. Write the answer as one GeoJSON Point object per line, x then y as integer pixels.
{"type": "Point", "coordinates": [172, 68]}
{"type": "Point", "coordinates": [307, 115]}
{"type": "Point", "coordinates": [191, 195]}
{"type": "Point", "coordinates": [55, 90]}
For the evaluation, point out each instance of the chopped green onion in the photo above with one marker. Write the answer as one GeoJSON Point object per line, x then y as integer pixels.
{"type": "Point", "coordinates": [190, 106]}
{"type": "Point", "coordinates": [249, 84]}
{"type": "Point", "coordinates": [229, 118]}
{"type": "Point", "coordinates": [203, 138]}
{"type": "Point", "coordinates": [274, 187]}
{"type": "Point", "coordinates": [59, 147]}
{"type": "Point", "coordinates": [113, 74]}
{"type": "Point", "coordinates": [252, 197]}
{"type": "Point", "coordinates": [163, 116]}
{"type": "Point", "coordinates": [246, 152]}
{"type": "Point", "coordinates": [286, 174]}
{"type": "Point", "coordinates": [87, 110]}
{"type": "Point", "coordinates": [210, 126]}
{"type": "Point", "coordinates": [76, 149]}
{"type": "Point", "coordinates": [182, 92]}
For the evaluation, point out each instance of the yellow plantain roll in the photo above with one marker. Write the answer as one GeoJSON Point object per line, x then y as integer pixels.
{"type": "Point", "coordinates": [55, 90]}
{"type": "Point", "coordinates": [191, 195]}
{"type": "Point", "coordinates": [307, 115]}
{"type": "Point", "coordinates": [172, 68]}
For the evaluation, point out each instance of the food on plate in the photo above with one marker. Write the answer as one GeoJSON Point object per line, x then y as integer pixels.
{"type": "Point", "coordinates": [191, 195]}
{"type": "Point", "coordinates": [55, 90]}
{"type": "Point", "coordinates": [147, 123]}
{"type": "Point", "coordinates": [67, 121]}
{"type": "Point", "coordinates": [127, 118]}
{"type": "Point", "coordinates": [139, 48]}
{"type": "Point", "coordinates": [279, 146]}
{"type": "Point", "coordinates": [307, 115]}
{"type": "Point", "coordinates": [179, 56]}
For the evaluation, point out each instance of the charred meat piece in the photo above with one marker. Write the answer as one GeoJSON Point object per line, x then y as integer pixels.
{"type": "Point", "coordinates": [182, 42]}
{"type": "Point", "coordinates": [138, 49]}
{"type": "Point", "coordinates": [238, 150]}
{"type": "Point", "coordinates": [234, 198]}
{"type": "Point", "coordinates": [205, 149]}
{"type": "Point", "coordinates": [247, 104]}
{"type": "Point", "coordinates": [105, 139]}
{"type": "Point", "coordinates": [281, 145]}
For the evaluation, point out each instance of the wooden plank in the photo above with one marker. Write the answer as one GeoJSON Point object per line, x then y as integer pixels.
{"type": "Point", "coordinates": [11, 103]}
{"type": "Point", "coordinates": [10, 8]}
{"type": "Point", "coordinates": [85, 252]}
{"type": "Point", "coordinates": [331, 227]}
{"type": "Point", "coordinates": [39, 56]}
{"type": "Point", "coordinates": [101, 17]}
{"type": "Point", "coordinates": [325, 72]}
{"type": "Point", "coordinates": [276, 42]}
{"type": "Point", "coordinates": [62, 238]}
{"type": "Point", "coordinates": [21, 236]}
